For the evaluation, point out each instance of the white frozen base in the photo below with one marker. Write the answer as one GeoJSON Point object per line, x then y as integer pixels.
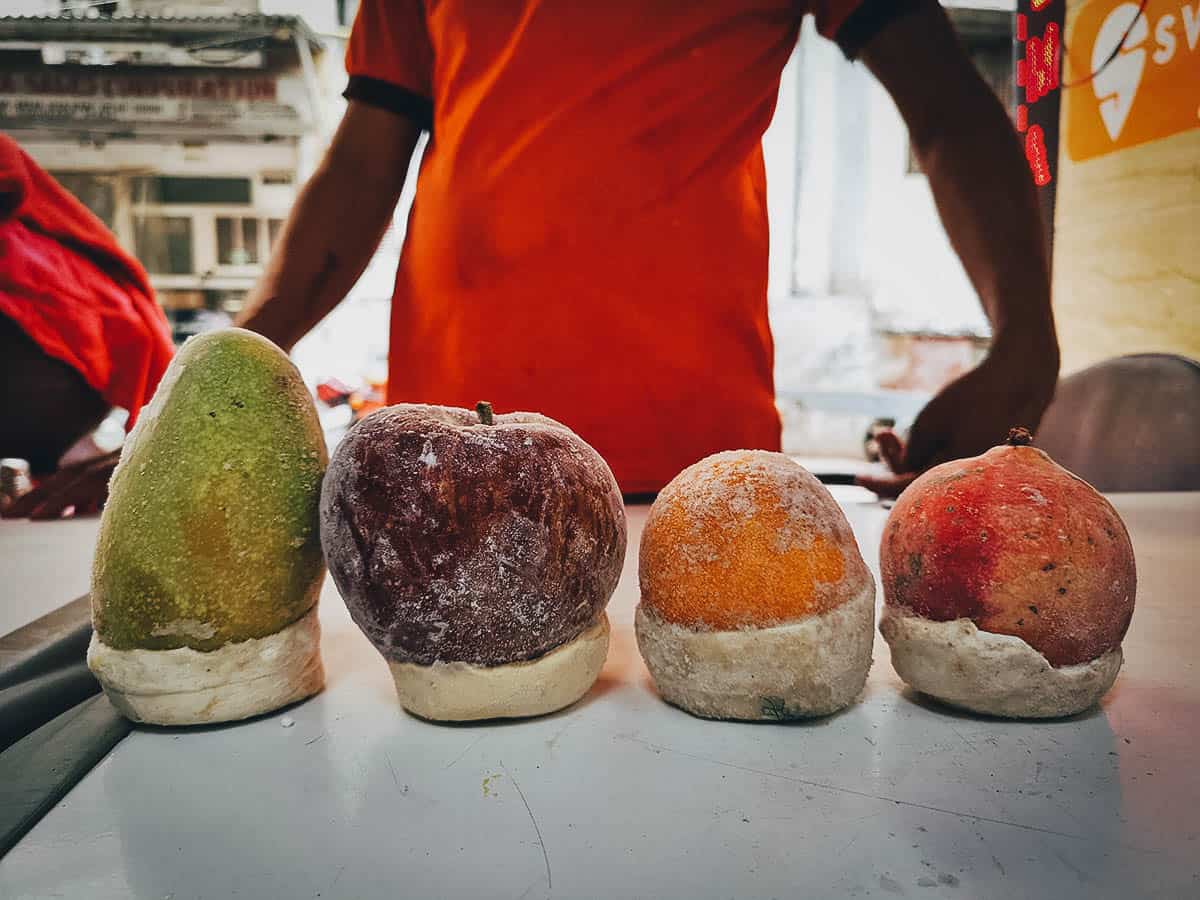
{"type": "Point", "coordinates": [808, 668]}
{"type": "Point", "coordinates": [995, 674]}
{"type": "Point", "coordinates": [191, 687]}
{"type": "Point", "coordinates": [461, 692]}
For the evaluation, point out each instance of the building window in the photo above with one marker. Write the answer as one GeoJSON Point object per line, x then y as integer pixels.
{"type": "Point", "coordinates": [229, 302]}
{"type": "Point", "coordinates": [274, 227]}
{"type": "Point", "coordinates": [93, 191]}
{"type": "Point", "coordinates": [164, 244]}
{"type": "Point", "coordinates": [181, 190]}
{"type": "Point", "coordinates": [105, 9]}
{"type": "Point", "coordinates": [237, 241]}
{"type": "Point", "coordinates": [345, 11]}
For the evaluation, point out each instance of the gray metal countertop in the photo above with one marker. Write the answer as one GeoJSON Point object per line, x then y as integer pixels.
{"type": "Point", "coordinates": [624, 796]}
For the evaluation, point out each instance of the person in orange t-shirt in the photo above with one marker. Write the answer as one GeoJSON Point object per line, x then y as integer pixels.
{"type": "Point", "coordinates": [589, 235]}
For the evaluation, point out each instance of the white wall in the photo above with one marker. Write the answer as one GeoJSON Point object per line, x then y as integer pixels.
{"type": "Point", "coordinates": [818, 62]}
{"type": "Point", "coordinates": [31, 7]}
{"type": "Point", "coordinates": [863, 227]}
{"type": "Point", "coordinates": [780, 154]}
{"type": "Point", "coordinates": [916, 281]}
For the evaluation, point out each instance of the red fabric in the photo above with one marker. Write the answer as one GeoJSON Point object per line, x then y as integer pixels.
{"type": "Point", "coordinates": [68, 284]}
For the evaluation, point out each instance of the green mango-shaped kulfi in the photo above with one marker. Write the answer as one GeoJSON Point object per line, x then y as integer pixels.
{"type": "Point", "coordinates": [208, 563]}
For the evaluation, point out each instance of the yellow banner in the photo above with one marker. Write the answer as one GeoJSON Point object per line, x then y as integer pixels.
{"type": "Point", "coordinates": [1149, 90]}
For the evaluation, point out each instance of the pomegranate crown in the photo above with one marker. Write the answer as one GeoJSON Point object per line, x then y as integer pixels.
{"type": "Point", "coordinates": [1019, 437]}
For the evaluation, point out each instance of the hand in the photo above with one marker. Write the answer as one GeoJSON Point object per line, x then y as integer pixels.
{"type": "Point", "coordinates": [82, 486]}
{"type": "Point", "coordinates": [970, 415]}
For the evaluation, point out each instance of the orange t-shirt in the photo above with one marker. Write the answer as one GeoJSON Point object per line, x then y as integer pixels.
{"type": "Point", "coordinates": [589, 237]}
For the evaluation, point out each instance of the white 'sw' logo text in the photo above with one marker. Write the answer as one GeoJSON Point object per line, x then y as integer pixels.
{"type": "Point", "coordinates": [1116, 84]}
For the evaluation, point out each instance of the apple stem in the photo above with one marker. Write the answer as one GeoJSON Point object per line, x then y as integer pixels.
{"type": "Point", "coordinates": [1019, 437]}
{"type": "Point", "coordinates": [483, 409]}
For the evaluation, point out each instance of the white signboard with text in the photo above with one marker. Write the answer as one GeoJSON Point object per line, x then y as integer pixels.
{"type": "Point", "coordinates": [118, 101]}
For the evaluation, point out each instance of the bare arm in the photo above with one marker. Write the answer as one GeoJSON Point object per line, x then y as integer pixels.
{"type": "Point", "coordinates": [335, 226]}
{"type": "Point", "coordinates": [985, 197]}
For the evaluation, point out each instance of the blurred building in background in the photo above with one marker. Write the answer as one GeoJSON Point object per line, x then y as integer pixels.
{"type": "Point", "coordinates": [185, 125]}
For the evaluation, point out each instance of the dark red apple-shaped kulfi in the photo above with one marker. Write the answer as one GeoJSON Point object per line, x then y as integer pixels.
{"type": "Point", "coordinates": [1008, 585]}
{"type": "Point", "coordinates": [477, 552]}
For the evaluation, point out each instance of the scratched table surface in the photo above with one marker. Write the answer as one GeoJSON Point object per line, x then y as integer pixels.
{"type": "Point", "coordinates": [623, 796]}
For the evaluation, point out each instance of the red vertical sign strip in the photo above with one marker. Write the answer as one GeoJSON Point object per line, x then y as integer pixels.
{"type": "Point", "coordinates": [1037, 58]}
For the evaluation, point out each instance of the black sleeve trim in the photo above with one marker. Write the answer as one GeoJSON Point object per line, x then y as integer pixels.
{"type": "Point", "coordinates": [868, 20]}
{"type": "Point", "coordinates": [392, 97]}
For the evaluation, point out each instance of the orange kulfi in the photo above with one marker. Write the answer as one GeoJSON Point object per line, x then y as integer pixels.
{"type": "Point", "coordinates": [755, 600]}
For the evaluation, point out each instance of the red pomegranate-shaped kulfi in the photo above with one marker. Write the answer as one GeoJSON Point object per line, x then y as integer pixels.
{"type": "Point", "coordinates": [1008, 585]}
